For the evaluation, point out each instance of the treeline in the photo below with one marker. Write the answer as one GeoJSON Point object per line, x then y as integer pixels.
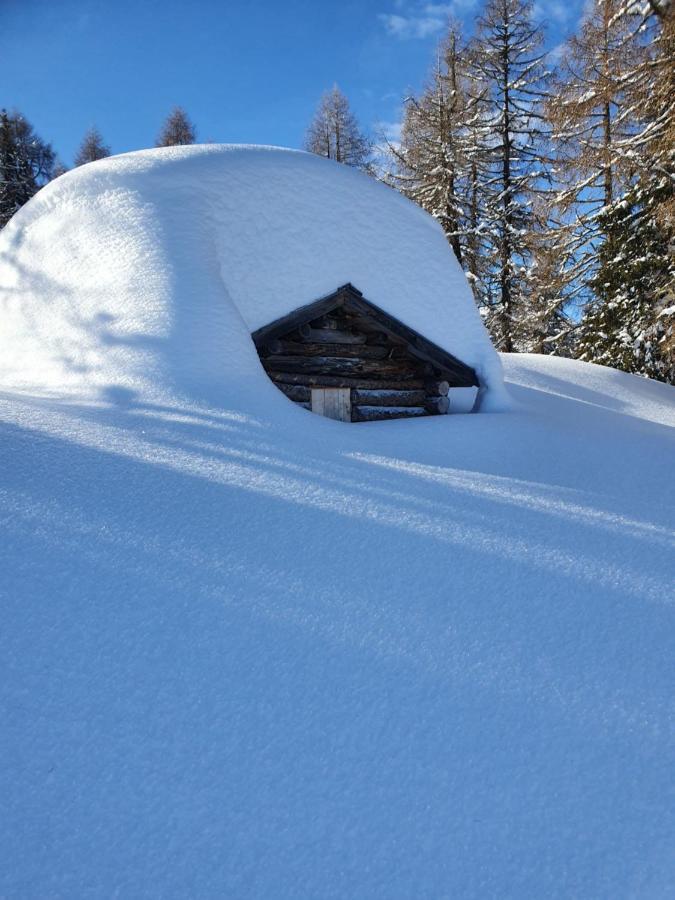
{"type": "Point", "coordinates": [556, 188]}
{"type": "Point", "coordinates": [27, 162]}
{"type": "Point", "coordinates": [555, 184]}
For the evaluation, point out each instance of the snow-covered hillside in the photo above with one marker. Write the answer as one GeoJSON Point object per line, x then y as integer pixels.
{"type": "Point", "coordinates": [150, 270]}
{"type": "Point", "coordinates": [251, 652]}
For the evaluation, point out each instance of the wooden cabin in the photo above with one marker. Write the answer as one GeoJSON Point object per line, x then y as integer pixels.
{"type": "Point", "coordinates": [345, 358]}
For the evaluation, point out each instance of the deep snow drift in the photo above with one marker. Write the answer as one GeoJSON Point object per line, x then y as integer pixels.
{"type": "Point", "coordinates": [264, 654]}
{"type": "Point", "coordinates": [251, 652]}
{"type": "Point", "coordinates": [149, 271]}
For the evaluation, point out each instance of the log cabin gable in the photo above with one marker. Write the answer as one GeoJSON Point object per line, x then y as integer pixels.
{"type": "Point", "coordinates": [344, 344]}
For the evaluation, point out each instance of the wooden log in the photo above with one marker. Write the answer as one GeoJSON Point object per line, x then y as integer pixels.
{"type": "Point", "coordinates": [437, 388]}
{"type": "Point", "coordinates": [377, 338]}
{"type": "Point", "coordinates": [401, 383]}
{"type": "Point", "coordinates": [328, 336]}
{"type": "Point", "coordinates": [461, 375]}
{"type": "Point", "coordinates": [308, 348]}
{"type": "Point", "coordinates": [296, 392]}
{"type": "Point", "coordinates": [331, 322]}
{"type": "Point", "coordinates": [379, 413]}
{"type": "Point", "coordinates": [437, 406]}
{"type": "Point", "coordinates": [385, 397]}
{"type": "Point", "coordinates": [330, 365]}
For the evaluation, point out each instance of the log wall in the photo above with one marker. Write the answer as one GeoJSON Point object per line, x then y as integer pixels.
{"type": "Point", "coordinates": [344, 350]}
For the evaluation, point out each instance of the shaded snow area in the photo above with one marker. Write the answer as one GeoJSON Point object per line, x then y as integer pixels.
{"type": "Point", "coordinates": [151, 269]}
{"type": "Point", "coordinates": [264, 654]}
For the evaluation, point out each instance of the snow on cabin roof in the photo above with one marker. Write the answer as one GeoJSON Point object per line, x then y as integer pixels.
{"type": "Point", "coordinates": [149, 271]}
{"type": "Point", "coordinates": [349, 298]}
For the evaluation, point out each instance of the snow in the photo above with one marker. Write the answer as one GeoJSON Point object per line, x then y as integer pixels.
{"type": "Point", "coordinates": [252, 652]}
{"type": "Point", "coordinates": [249, 651]}
{"type": "Point", "coordinates": [148, 271]}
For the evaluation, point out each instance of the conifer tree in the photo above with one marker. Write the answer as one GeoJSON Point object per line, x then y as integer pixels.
{"type": "Point", "coordinates": [507, 62]}
{"type": "Point", "coordinates": [617, 329]}
{"type": "Point", "coordinates": [593, 129]}
{"type": "Point", "coordinates": [630, 322]}
{"type": "Point", "coordinates": [547, 324]}
{"type": "Point", "coordinates": [177, 129]}
{"type": "Point", "coordinates": [335, 133]}
{"type": "Point", "coordinates": [433, 163]}
{"type": "Point", "coordinates": [91, 148]}
{"type": "Point", "coordinates": [26, 163]}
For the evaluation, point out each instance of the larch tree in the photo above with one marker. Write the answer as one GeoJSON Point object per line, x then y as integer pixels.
{"type": "Point", "coordinates": [508, 66]}
{"type": "Point", "coordinates": [433, 162]}
{"type": "Point", "coordinates": [91, 148]}
{"type": "Point", "coordinates": [550, 319]}
{"type": "Point", "coordinates": [335, 133]}
{"type": "Point", "coordinates": [177, 129]}
{"type": "Point", "coordinates": [26, 163]}
{"type": "Point", "coordinates": [615, 135]}
{"type": "Point", "coordinates": [588, 115]}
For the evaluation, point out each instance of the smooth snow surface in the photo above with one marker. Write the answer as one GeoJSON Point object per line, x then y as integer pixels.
{"type": "Point", "coordinates": [149, 271]}
{"type": "Point", "coordinates": [279, 656]}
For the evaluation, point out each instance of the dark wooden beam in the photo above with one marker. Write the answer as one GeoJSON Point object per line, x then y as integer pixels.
{"type": "Point", "coordinates": [386, 397]}
{"type": "Point", "coordinates": [278, 347]}
{"type": "Point", "coordinates": [437, 406]}
{"type": "Point", "coordinates": [329, 336]}
{"type": "Point", "coordinates": [297, 318]}
{"type": "Point", "coordinates": [401, 383]}
{"type": "Point", "coordinates": [437, 388]}
{"type": "Point", "coordinates": [330, 365]}
{"type": "Point", "coordinates": [348, 302]}
{"type": "Point", "coordinates": [460, 374]}
{"type": "Point", "coordinates": [298, 392]}
{"type": "Point", "coordinates": [379, 413]}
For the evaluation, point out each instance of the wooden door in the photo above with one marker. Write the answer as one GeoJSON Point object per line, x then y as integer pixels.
{"type": "Point", "coordinates": [335, 403]}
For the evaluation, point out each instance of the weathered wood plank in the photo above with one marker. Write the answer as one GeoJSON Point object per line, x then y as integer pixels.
{"type": "Point", "coordinates": [328, 336]}
{"type": "Point", "coordinates": [401, 383]}
{"type": "Point", "coordinates": [298, 317]}
{"type": "Point", "coordinates": [330, 365]}
{"type": "Point", "coordinates": [437, 388]}
{"type": "Point", "coordinates": [307, 348]}
{"type": "Point", "coordinates": [331, 322]}
{"type": "Point", "coordinates": [334, 403]}
{"type": "Point", "coordinates": [379, 413]}
{"type": "Point", "coordinates": [384, 397]}
{"type": "Point", "coordinates": [378, 338]}
{"type": "Point", "coordinates": [348, 302]}
{"type": "Point", "coordinates": [461, 374]}
{"type": "Point", "coordinates": [437, 406]}
{"type": "Point", "coordinates": [297, 392]}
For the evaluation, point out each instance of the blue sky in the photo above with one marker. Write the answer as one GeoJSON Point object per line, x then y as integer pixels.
{"type": "Point", "coordinates": [245, 71]}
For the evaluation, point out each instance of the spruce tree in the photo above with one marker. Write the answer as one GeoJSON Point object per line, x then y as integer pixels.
{"type": "Point", "coordinates": [335, 133]}
{"type": "Point", "coordinates": [630, 322]}
{"type": "Point", "coordinates": [593, 128]}
{"type": "Point", "coordinates": [617, 329]}
{"type": "Point", "coordinates": [26, 163]}
{"type": "Point", "coordinates": [177, 129]}
{"type": "Point", "coordinates": [91, 148]}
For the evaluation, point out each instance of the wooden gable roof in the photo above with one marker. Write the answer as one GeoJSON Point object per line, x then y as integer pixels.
{"type": "Point", "coordinates": [370, 317]}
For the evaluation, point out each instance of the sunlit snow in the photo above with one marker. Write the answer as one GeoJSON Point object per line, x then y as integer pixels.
{"type": "Point", "coordinates": [252, 652]}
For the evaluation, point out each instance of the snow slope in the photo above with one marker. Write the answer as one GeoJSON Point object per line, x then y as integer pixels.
{"type": "Point", "coordinates": [148, 271]}
{"type": "Point", "coordinates": [250, 652]}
